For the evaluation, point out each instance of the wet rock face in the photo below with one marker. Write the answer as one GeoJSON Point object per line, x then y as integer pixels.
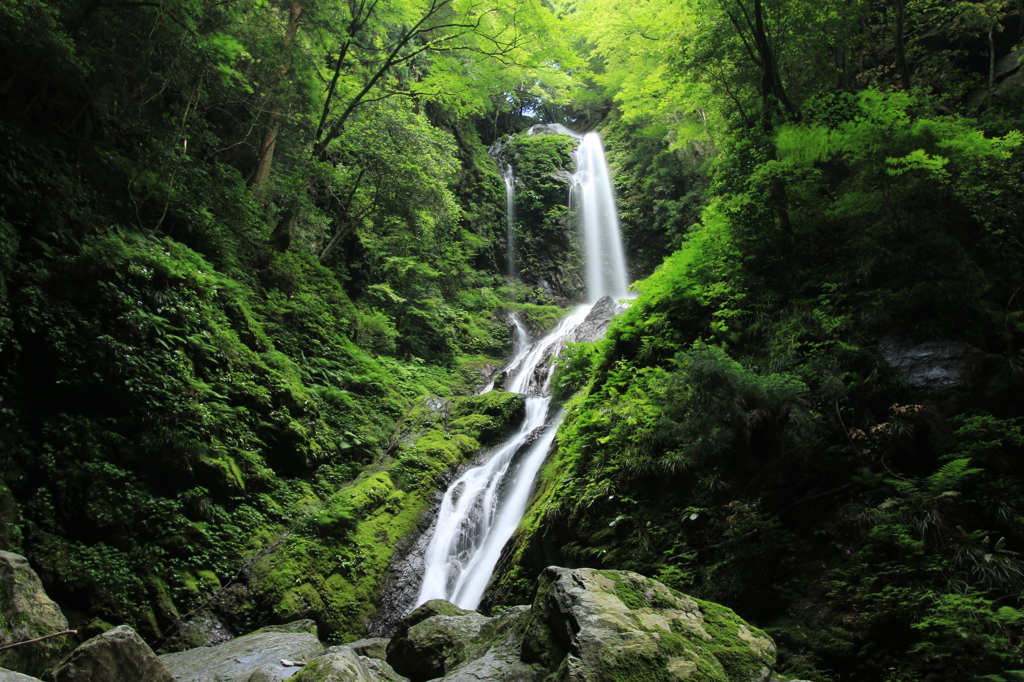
{"type": "Point", "coordinates": [932, 365]}
{"type": "Point", "coordinates": [115, 656]}
{"type": "Point", "coordinates": [585, 626]}
{"type": "Point", "coordinates": [254, 656]}
{"type": "Point", "coordinates": [26, 612]}
{"type": "Point", "coordinates": [597, 321]}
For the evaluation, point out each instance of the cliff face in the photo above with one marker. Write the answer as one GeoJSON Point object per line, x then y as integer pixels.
{"type": "Point", "coordinates": [548, 245]}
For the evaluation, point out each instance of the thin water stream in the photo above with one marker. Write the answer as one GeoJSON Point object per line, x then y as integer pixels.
{"type": "Point", "coordinates": [508, 175]}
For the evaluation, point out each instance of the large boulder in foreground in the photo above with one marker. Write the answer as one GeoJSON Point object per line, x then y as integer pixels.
{"type": "Point", "coordinates": [591, 625]}
{"type": "Point", "coordinates": [26, 612]}
{"type": "Point", "coordinates": [433, 640]}
{"type": "Point", "coordinates": [258, 655]}
{"type": "Point", "coordinates": [585, 625]}
{"type": "Point", "coordinates": [115, 656]}
{"type": "Point", "coordinates": [440, 640]}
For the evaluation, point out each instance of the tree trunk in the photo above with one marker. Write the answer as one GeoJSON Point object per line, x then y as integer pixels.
{"type": "Point", "coordinates": [901, 57]}
{"type": "Point", "coordinates": [266, 158]}
{"type": "Point", "coordinates": [269, 141]}
{"type": "Point", "coordinates": [991, 59]}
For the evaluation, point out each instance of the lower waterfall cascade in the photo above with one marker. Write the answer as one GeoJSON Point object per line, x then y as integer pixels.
{"type": "Point", "coordinates": [481, 509]}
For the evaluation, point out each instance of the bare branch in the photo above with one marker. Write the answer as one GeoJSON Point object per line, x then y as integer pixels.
{"type": "Point", "coordinates": [39, 639]}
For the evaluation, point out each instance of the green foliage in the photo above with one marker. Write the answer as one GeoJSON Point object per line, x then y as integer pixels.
{"type": "Point", "coordinates": [332, 569]}
{"type": "Point", "coordinates": [199, 360]}
{"type": "Point", "coordinates": [660, 189]}
{"type": "Point", "coordinates": [738, 434]}
{"type": "Point", "coordinates": [573, 369]}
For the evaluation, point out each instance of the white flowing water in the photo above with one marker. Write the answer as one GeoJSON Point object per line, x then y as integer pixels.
{"type": "Point", "coordinates": [482, 508]}
{"type": "Point", "coordinates": [592, 198]}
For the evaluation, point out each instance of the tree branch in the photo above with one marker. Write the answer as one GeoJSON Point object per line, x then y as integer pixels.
{"type": "Point", "coordinates": [39, 639]}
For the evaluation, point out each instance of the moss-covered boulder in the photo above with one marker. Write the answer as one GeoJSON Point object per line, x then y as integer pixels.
{"type": "Point", "coordinates": [26, 612]}
{"type": "Point", "coordinates": [592, 625]}
{"type": "Point", "coordinates": [433, 640]}
{"type": "Point", "coordinates": [585, 625]}
{"type": "Point", "coordinates": [495, 655]}
{"type": "Point", "coordinates": [115, 656]}
{"type": "Point", "coordinates": [344, 664]}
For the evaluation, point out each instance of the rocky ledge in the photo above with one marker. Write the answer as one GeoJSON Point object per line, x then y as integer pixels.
{"type": "Point", "coordinates": [585, 625]}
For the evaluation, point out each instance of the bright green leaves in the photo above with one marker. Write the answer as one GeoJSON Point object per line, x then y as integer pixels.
{"type": "Point", "coordinates": [885, 126]}
{"type": "Point", "coordinates": [225, 52]}
{"type": "Point", "coordinates": [469, 55]}
{"type": "Point", "coordinates": [851, 188]}
{"type": "Point", "coordinates": [630, 46]}
{"type": "Point", "coordinates": [918, 159]}
{"type": "Point", "coordinates": [699, 411]}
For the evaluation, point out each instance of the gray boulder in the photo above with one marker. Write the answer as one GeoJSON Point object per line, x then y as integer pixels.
{"type": "Point", "coordinates": [590, 625]}
{"type": "Point", "coordinates": [115, 656]}
{"type": "Point", "coordinates": [598, 320]}
{"type": "Point", "coordinates": [433, 640]}
{"type": "Point", "coordinates": [257, 657]}
{"type": "Point", "coordinates": [496, 653]}
{"type": "Point", "coordinates": [26, 612]}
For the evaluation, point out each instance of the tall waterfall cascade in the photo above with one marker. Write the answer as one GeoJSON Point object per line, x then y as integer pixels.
{"type": "Point", "coordinates": [482, 508]}
{"type": "Point", "coordinates": [591, 196]}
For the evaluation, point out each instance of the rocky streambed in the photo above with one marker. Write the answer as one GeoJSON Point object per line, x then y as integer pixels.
{"type": "Point", "coordinates": [584, 625]}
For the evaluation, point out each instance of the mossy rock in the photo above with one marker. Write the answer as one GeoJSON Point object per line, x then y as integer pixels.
{"type": "Point", "coordinates": [585, 625]}
{"type": "Point", "coordinates": [433, 640]}
{"type": "Point", "coordinates": [26, 612]}
{"type": "Point", "coordinates": [622, 627]}
{"type": "Point", "coordinates": [116, 655]}
{"type": "Point", "coordinates": [488, 417]}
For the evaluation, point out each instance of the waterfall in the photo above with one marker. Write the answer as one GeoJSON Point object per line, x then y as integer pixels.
{"type": "Point", "coordinates": [510, 219]}
{"type": "Point", "coordinates": [482, 508]}
{"type": "Point", "coordinates": [592, 198]}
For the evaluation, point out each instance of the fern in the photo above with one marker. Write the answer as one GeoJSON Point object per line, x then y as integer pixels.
{"type": "Point", "coordinates": [950, 475]}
